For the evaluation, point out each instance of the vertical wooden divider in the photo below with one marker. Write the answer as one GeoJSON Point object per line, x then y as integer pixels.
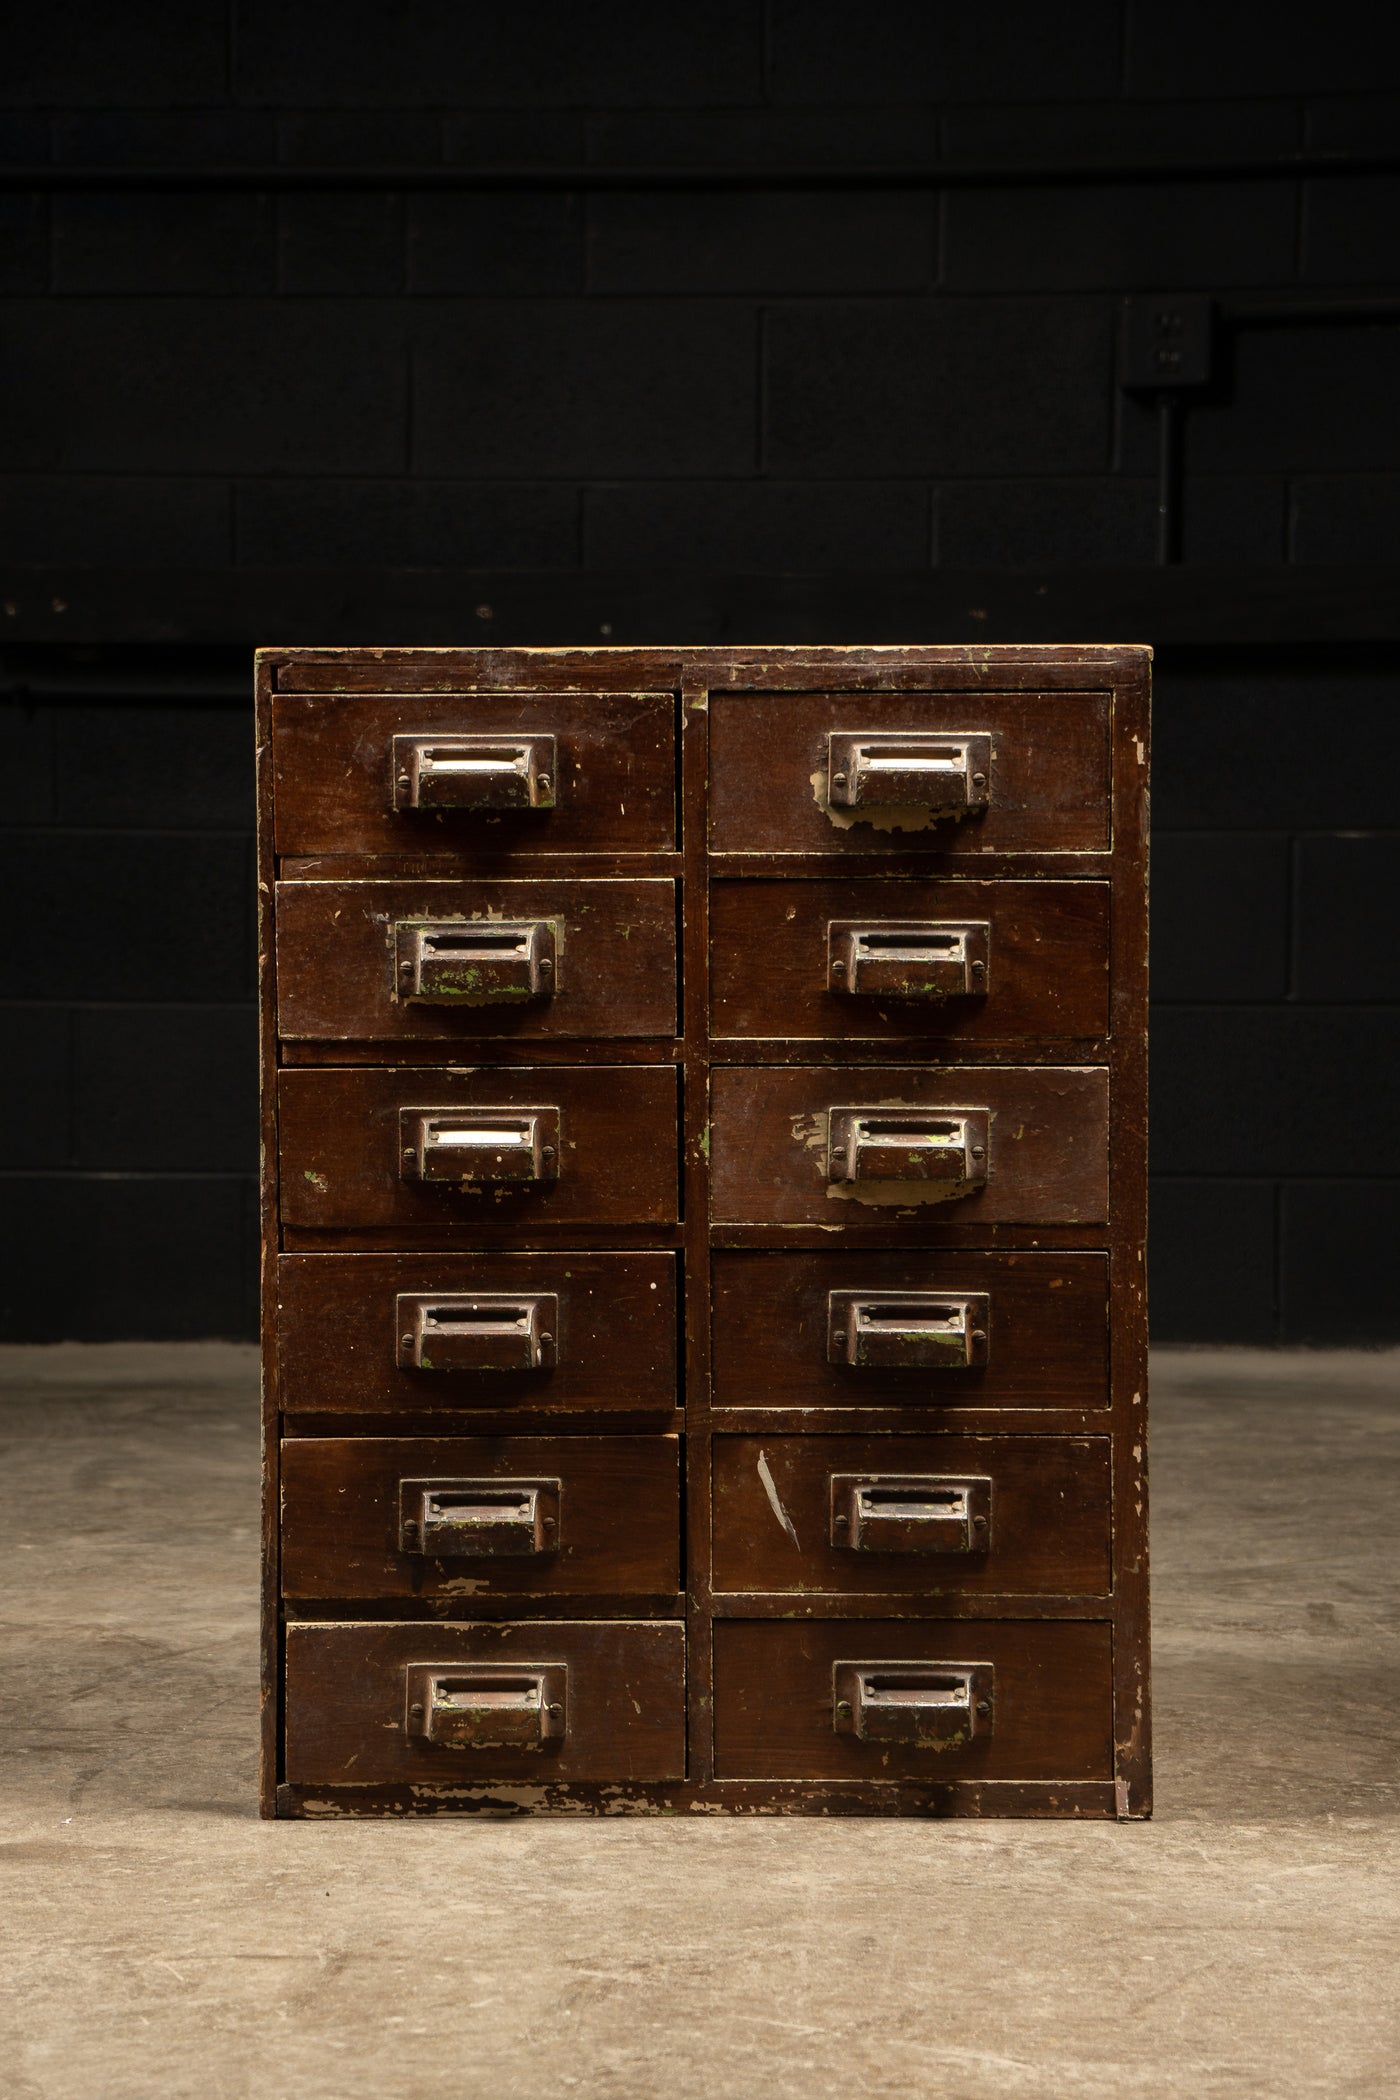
{"type": "Point", "coordinates": [269, 1244]}
{"type": "Point", "coordinates": [1132, 1720]}
{"type": "Point", "coordinates": [693, 738]}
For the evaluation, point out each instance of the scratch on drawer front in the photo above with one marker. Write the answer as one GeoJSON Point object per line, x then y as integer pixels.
{"type": "Point", "coordinates": [771, 1491]}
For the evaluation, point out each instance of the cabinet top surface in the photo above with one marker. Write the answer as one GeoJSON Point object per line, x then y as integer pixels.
{"type": "Point", "coordinates": [1125, 658]}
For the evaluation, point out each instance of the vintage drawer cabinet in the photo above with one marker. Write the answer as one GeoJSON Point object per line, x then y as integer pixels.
{"type": "Point", "coordinates": [703, 1204]}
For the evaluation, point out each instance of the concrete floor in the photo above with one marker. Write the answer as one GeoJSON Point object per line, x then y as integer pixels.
{"type": "Point", "coordinates": [158, 1940]}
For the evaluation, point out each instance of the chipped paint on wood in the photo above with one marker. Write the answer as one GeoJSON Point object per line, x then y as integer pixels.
{"type": "Point", "coordinates": [770, 1489]}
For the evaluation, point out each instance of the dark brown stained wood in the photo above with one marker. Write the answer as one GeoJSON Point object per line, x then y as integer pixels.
{"type": "Point", "coordinates": [616, 1346]}
{"type": "Point", "coordinates": [1053, 1717]}
{"type": "Point", "coordinates": [1048, 962]}
{"type": "Point", "coordinates": [1080, 1801]}
{"type": "Point", "coordinates": [730, 1358]}
{"type": "Point", "coordinates": [340, 1165]}
{"type": "Point", "coordinates": [695, 777]}
{"type": "Point", "coordinates": [618, 1523]}
{"type": "Point", "coordinates": [616, 791]}
{"type": "Point", "coordinates": [346, 1702]}
{"type": "Point", "coordinates": [1048, 1530]}
{"type": "Point", "coordinates": [1047, 1156]}
{"type": "Point", "coordinates": [1049, 781]}
{"type": "Point", "coordinates": [1031, 667]}
{"type": "Point", "coordinates": [1128, 1276]}
{"type": "Point", "coordinates": [614, 971]}
{"type": "Point", "coordinates": [270, 1712]}
{"type": "Point", "coordinates": [1048, 1331]}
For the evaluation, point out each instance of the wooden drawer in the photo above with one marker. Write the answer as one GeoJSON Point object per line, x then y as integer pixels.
{"type": "Point", "coordinates": [334, 772]}
{"type": "Point", "coordinates": [342, 1320]}
{"type": "Point", "coordinates": [1048, 783]}
{"type": "Point", "coordinates": [776, 1690]}
{"type": "Point", "coordinates": [1044, 1133]}
{"type": "Point", "coordinates": [341, 1138]}
{"type": "Point", "coordinates": [906, 1516]}
{"type": "Point", "coordinates": [1034, 956]}
{"type": "Point", "coordinates": [348, 1696]}
{"type": "Point", "coordinates": [577, 1516]}
{"type": "Point", "coordinates": [400, 962]}
{"type": "Point", "coordinates": [1046, 1325]}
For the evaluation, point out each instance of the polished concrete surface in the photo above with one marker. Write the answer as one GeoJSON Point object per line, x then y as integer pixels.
{"type": "Point", "coordinates": [157, 1939]}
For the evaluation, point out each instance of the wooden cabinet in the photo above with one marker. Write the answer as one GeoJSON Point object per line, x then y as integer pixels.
{"type": "Point", "coordinates": [704, 1141]}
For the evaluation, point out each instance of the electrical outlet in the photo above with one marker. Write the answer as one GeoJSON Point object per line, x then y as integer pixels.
{"type": "Point", "coordinates": [1165, 343]}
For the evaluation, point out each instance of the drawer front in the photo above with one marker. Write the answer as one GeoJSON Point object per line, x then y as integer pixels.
{"type": "Point", "coordinates": [910, 1139]}
{"type": "Point", "coordinates": [402, 962]}
{"type": "Point", "coordinates": [356, 1332]}
{"type": "Point", "coordinates": [904, 1516]}
{"type": "Point", "coordinates": [980, 962]}
{"type": "Point", "coordinates": [501, 1516]}
{"type": "Point", "coordinates": [1048, 1685]}
{"type": "Point", "coordinates": [336, 773]}
{"type": "Point", "coordinates": [1046, 1322]}
{"type": "Point", "coordinates": [343, 1136]}
{"type": "Point", "coordinates": [771, 761]}
{"type": "Point", "coordinates": [620, 1686]}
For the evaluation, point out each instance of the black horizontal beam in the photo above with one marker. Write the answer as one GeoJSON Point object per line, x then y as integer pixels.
{"type": "Point", "coordinates": [928, 175]}
{"type": "Point", "coordinates": [315, 607]}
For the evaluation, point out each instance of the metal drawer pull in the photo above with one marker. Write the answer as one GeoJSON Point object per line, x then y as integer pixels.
{"type": "Point", "coordinates": [487, 1706]}
{"type": "Point", "coordinates": [480, 1146]}
{"type": "Point", "coordinates": [948, 773]}
{"type": "Point", "coordinates": [479, 1333]}
{"type": "Point", "coordinates": [944, 1150]}
{"type": "Point", "coordinates": [494, 962]}
{"type": "Point", "coordinates": [908, 958]}
{"type": "Point", "coordinates": [474, 772]}
{"type": "Point", "coordinates": [932, 1705]}
{"type": "Point", "coordinates": [910, 1513]}
{"type": "Point", "coordinates": [478, 1519]}
{"type": "Point", "coordinates": [907, 1330]}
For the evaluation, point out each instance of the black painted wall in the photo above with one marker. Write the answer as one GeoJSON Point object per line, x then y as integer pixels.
{"type": "Point", "coordinates": [759, 379]}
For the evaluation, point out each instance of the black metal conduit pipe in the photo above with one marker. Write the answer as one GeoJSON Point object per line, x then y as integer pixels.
{"type": "Point", "coordinates": [1171, 407]}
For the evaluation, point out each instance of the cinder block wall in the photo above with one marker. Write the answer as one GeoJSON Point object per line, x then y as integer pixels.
{"type": "Point", "coordinates": [755, 380]}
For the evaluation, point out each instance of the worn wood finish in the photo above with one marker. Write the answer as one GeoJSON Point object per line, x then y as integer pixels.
{"type": "Point", "coordinates": [340, 1165]}
{"type": "Point", "coordinates": [1048, 974]}
{"type": "Point", "coordinates": [346, 1702]}
{"type": "Point", "coordinates": [1048, 1526]}
{"type": "Point", "coordinates": [616, 791]}
{"type": "Point", "coordinates": [1047, 1155]}
{"type": "Point", "coordinates": [1050, 762]}
{"type": "Point", "coordinates": [615, 1346]}
{"type": "Point", "coordinates": [1081, 1800]}
{"type": "Point", "coordinates": [618, 1527]}
{"type": "Point", "coordinates": [1048, 1332]}
{"type": "Point", "coordinates": [1053, 1716]}
{"type": "Point", "coordinates": [615, 973]}
{"type": "Point", "coordinates": [695, 1138]}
